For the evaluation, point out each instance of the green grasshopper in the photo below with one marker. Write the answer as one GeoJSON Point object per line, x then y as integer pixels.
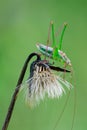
{"type": "Point", "coordinates": [55, 51]}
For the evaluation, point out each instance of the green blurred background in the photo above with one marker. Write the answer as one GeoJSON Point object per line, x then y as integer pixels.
{"type": "Point", "coordinates": [23, 23]}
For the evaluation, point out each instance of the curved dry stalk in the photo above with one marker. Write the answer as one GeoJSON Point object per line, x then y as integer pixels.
{"type": "Point", "coordinates": [15, 94]}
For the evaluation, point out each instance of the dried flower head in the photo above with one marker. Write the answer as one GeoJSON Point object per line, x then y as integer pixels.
{"type": "Point", "coordinates": [42, 82]}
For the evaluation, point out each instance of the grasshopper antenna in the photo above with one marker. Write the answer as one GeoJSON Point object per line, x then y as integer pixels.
{"type": "Point", "coordinates": [53, 36]}
{"type": "Point", "coordinates": [48, 38]}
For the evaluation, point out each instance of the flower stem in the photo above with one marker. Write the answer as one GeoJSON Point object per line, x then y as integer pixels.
{"type": "Point", "coordinates": [15, 94]}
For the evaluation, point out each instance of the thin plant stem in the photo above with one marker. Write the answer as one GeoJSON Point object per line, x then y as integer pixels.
{"type": "Point", "coordinates": [15, 94]}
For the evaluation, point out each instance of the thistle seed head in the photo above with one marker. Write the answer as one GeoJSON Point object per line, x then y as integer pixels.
{"type": "Point", "coordinates": [44, 82]}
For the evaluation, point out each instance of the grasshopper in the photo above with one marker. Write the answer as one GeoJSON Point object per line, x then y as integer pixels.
{"type": "Point", "coordinates": [55, 51]}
